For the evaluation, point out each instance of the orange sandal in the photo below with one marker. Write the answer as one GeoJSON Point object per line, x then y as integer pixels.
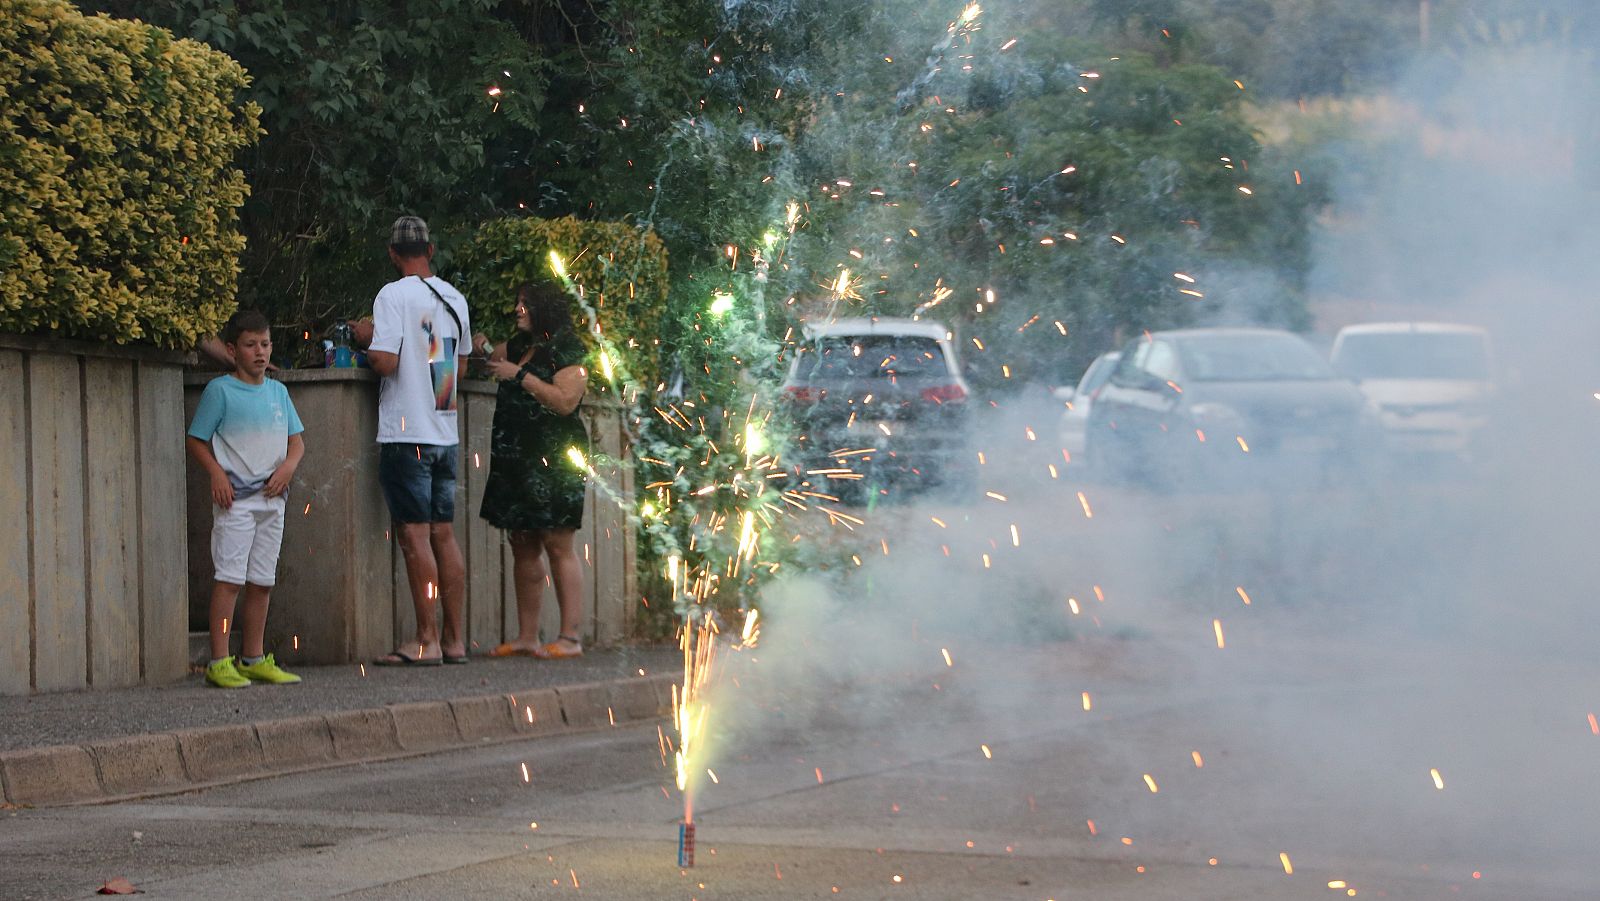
{"type": "Point", "coordinates": [555, 651]}
{"type": "Point", "coordinates": [511, 650]}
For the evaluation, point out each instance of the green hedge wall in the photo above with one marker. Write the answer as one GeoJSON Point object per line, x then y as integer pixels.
{"type": "Point", "coordinates": [120, 199]}
{"type": "Point", "coordinates": [621, 269]}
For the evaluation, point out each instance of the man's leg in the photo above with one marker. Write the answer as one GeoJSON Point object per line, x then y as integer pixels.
{"type": "Point", "coordinates": [422, 572]}
{"type": "Point", "coordinates": [451, 569]}
{"type": "Point", "coordinates": [405, 474]}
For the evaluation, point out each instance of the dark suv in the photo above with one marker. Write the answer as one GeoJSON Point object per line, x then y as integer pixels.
{"type": "Point", "coordinates": [879, 405]}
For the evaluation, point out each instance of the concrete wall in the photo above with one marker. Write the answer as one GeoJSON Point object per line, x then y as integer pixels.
{"type": "Point", "coordinates": [92, 552]}
{"type": "Point", "coordinates": [342, 594]}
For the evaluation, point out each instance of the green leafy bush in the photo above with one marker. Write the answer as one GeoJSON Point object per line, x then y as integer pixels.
{"type": "Point", "coordinates": [118, 218]}
{"type": "Point", "coordinates": [619, 270]}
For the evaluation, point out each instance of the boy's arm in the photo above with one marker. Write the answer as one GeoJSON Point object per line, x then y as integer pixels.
{"type": "Point", "coordinates": [212, 348]}
{"type": "Point", "coordinates": [279, 482]}
{"type": "Point", "coordinates": [221, 488]}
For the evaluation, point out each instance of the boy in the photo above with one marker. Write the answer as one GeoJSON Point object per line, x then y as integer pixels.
{"type": "Point", "coordinates": [246, 434]}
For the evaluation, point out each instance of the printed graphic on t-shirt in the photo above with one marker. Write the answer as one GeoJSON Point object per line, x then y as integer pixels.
{"type": "Point", "coordinates": [442, 365]}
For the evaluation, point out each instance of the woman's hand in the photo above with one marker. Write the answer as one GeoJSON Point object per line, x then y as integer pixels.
{"type": "Point", "coordinates": [503, 369]}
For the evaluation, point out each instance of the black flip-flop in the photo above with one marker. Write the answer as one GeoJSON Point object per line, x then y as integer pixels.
{"type": "Point", "coordinates": [454, 660]}
{"type": "Point", "coordinates": [398, 657]}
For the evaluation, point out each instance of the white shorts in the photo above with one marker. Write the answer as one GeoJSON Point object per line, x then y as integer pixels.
{"type": "Point", "coordinates": [245, 539]}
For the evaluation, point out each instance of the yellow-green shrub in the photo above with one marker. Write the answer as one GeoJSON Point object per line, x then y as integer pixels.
{"type": "Point", "coordinates": [118, 194]}
{"type": "Point", "coordinates": [621, 269]}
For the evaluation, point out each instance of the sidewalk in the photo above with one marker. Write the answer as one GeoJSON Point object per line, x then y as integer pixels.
{"type": "Point", "coordinates": [99, 745]}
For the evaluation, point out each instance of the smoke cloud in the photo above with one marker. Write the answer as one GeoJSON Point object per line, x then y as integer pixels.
{"type": "Point", "coordinates": [1348, 643]}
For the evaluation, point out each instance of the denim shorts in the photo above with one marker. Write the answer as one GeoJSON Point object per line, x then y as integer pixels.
{"type": "Point", "coordinates": [419, 481]}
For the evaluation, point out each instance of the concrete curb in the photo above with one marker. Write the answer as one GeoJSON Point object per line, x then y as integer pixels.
{"type": "Point", "coordinates": [187, 759]}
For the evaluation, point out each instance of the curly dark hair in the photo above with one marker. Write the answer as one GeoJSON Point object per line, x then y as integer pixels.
{"type": "Point", "coordinates": [549, 309]}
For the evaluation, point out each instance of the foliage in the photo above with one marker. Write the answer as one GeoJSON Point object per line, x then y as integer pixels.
{"type": "Point", "coordinates": [117, 146]}
{"type": "Point", "coordinates": [1066, 181]}
{"type": "Point", "coordinates": [372, 109]}
{"type": "Point", "coordinates": [1298, 49]}
{"type": "Point", "coordinates": [620, 271]}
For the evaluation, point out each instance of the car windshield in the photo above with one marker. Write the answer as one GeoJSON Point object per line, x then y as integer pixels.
{"type": "Point", "coordinates": [1099, 371]}
{"type": "Point", "coordinates": [1414, 355]}
{"type": "Point", "coordinates": [1251, 358]}
{"type": "Point", "coordinates": [834, 357]}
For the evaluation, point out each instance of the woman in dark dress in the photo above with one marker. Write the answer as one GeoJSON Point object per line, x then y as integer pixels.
{"type": "Point", "coordinates": [535, 490]}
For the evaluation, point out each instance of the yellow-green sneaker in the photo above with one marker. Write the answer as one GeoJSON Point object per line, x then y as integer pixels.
{"type": "Point", "coordinates": [223, 674]}
{"type": "Point", "coordinates": [267, 670]}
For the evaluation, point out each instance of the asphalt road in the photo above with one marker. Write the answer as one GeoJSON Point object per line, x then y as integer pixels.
{"type": "Point", "coordinates": [957, 795]}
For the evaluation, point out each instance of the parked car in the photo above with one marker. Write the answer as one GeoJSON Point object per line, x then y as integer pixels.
{"type": "Point", "coordinates": [1433, 383]}
{"type": "Point", "coordinates": [1078, 400]}
{"type": "Point", "coordinates": [883, 398]}
{"type": "Point", "coordinates": [1212, 406]}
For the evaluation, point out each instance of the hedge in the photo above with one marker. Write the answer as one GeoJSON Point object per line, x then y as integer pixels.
{"type": "Point", "coordinates": [621, 270]}
{"type": "Point", "coordinates": [118, 217]}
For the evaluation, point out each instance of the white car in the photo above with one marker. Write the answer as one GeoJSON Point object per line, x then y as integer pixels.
{"type": "Point", "coordinates": [1075, 419]}
{"type": "Point", "coordinates": [1432, 382]}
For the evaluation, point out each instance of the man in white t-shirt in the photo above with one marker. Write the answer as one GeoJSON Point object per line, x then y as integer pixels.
{"type": "Point", "coordinates": [418, 340]}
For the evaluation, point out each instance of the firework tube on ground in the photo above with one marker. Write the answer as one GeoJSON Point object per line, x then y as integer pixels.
{"type": "Point", "coordinates": [685, 844]}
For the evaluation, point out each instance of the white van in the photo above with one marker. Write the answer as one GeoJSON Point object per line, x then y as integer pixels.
{"type": "Point", "coordinates": [1433, 382]}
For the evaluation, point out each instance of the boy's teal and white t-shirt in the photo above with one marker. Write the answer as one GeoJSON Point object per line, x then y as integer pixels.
{"type": "Point", "coordinates": [248, 427]}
